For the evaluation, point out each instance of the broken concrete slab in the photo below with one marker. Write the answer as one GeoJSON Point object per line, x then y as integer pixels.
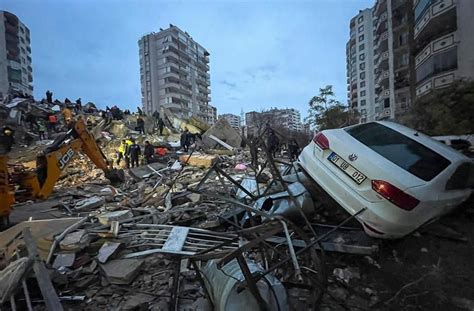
{"type": "Point", "coordinates": [222, 130]}
{"type": "Point", "coordinates": [121, 271]}
{"type": "Point", "coordinates": [107, 218]}
{"type": "Point", "coordinates": [107, 250]}
{"type": "Point", "coordinates": [146, 171]}
{"type": "Point", "coordinates": [89, 203]}
{"type": "Point", "coordinates": [137, 302]}
{"type": "Point", "coordinates": [203, 161]}
{"type": "Point", "coordinates": [64, 260]}
{"type": "Point", "coordinates": [75, 241]}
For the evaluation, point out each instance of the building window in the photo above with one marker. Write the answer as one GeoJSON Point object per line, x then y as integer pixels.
{"type": "Point", "coordinates": [386, 103]}
{"type": "Point", "coordinates": [363, 111]}
{"type": "Point", "coordinates": [362, 75]}
{"type": "Point", "coordinates": [421, 8]}
{"type": "Point", "coordinates": [361, 47]}
{"type": "Point", "coordinates": [440, 62]}
{"type": "Point", "coordinates": [361, 28]}
{"type": "Point", "coordinates": [362, 102]}
{"type": "Point", "coordinates": [362, 84]}
{"type": "Point", "coordinates": [361, 38]}
{"type": "Point", "coordinates": [362, 56]}
{"type": "Point", "coordinates": [360, 19]}
{"type": "Point", "coordinates": [362, 93]}
{"type": "Point", "coordinates": [362, 66]}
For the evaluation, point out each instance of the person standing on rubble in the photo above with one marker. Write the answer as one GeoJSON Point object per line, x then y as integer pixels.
{"type": "Point", "coordinates": [78, 105]}
{"type": "Point", "coordinates": [6, 140]}
{"type": "Point", "coordinates": [121, 151]}
{"type": "Point", "coordinates": [148, 152]}
{"type": "Point", "coordinates": [140, 125]}
{"type": "Point", "coordinates": [184, 140]}
{"type": "Point", "coordinates": [52, 121]}
{"type": "Point", "coordinates": [49, 96]}
{"type": "Point", "coordinates": [272, 143]}
{"type": "Point", "coordinates": [293, 149]}
{"type": "Point", "coordinates": [134, 152]}
{"type": "Point", "coordinates": [41, 130]}
{"type": "Point", "coordinates": [161, 125]}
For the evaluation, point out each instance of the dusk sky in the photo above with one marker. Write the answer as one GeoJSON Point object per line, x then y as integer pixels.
{"type": "Point", "coordinates": [263, 53]}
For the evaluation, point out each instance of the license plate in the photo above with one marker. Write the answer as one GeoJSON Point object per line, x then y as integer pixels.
{"type": "Point", "coordinates": [357, 176]}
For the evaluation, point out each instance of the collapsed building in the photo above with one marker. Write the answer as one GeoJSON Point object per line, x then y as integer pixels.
{"type": "Point", "coordinates": [202, 230]}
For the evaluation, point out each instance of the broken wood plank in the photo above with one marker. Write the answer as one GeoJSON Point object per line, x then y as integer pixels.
{"type": "Point", "coordinates": [46, 287]}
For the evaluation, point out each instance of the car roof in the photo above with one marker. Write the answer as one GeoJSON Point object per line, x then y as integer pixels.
{"type": "Point", "coordinates": [444, 150]}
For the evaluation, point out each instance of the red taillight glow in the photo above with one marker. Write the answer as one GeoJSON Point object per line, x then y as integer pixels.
{"type": "Point", "coordinates": [395, 195]}
{"type": "Point", "coordinates": [321, 141]}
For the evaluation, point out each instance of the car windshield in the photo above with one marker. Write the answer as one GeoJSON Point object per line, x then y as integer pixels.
{"type": "Point", "coordinates": [410, 155]}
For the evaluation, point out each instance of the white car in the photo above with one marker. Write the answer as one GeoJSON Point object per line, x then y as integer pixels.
{"type": "Point", "coordinates": [403, 177]}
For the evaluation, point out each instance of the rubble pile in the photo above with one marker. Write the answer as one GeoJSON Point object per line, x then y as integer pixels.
{"type": "Point", "coordinates": [197, 230]}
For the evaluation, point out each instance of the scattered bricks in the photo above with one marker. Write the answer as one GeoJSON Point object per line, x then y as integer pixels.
{"type": "Point", "coordinates": [122, 271]}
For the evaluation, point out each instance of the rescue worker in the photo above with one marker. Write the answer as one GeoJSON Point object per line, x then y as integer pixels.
{"type": "Point", "coordinates": [161, 125]}
{"type": "Point", "coordinates": [140, 125]}
{"type": "Point", "coordinates": [121, 151]}
{"type": "Point", "coordinates": [52, 121]}
{"type": "Point", "coordinates": [134, 152]}
{"type": "Point", "coordinates": [148, 152]}
{"type": "Point", "coordinates": [128, 143]}
{"type": "Point", "coordinates": [6, 140]}
{"type": "Point", "coordinates": [41, 130]}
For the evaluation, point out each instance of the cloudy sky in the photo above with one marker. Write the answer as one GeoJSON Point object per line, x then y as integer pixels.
{"type": "Point", "coordinates": [263, 53]}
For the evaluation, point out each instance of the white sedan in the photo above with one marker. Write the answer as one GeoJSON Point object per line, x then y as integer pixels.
{"type": "Point", "coordinates": [403, 177]}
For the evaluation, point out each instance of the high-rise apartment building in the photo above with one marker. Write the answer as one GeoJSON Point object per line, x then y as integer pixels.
{"type": "Point", "coordinates": [360, 66]}
{"type": "Point", "coordinates": [444, 43]}
{"type": "Point", "coordinates": [234, 120]}
{"type": "Point", "coordinates": [174, 74]}
{"type": "Point", "coordinates": [394, 63]}
{"type": "Point", "coordinates": [16, 73]}
{"type": "Point", "coordinates": [392, 72]}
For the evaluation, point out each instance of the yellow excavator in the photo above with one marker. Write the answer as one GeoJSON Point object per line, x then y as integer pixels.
{"type": "Point", "coordinates": [21, 184]}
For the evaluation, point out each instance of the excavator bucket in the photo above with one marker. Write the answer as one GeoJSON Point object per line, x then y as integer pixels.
{"type": "Point", "coordinates": [116, 176]}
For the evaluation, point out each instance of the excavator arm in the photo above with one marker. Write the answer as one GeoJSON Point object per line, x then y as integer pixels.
{"type": "Point", "coordinates": [57, 157]}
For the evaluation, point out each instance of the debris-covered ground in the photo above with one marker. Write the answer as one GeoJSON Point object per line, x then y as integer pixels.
{"type": "Point", "coordinates": [206, 229]}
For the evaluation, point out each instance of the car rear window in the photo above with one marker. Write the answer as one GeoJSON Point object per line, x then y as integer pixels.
{"type": "Point", "coordinates": [410, 155]}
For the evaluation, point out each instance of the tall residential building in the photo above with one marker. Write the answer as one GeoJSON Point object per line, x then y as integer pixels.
{"type": "Point", "coordinates": [394, 63]}
{"type": "Point", "coordinates": [174, 74]}
{"type": "Point", "coordinates": [360, 66]}
{"type": "Point", "coordinates": [444, 43]}
{"type": "Point", "coordinates": [16, 73]}
{"type": "Point", "coordinates": [234, 120]}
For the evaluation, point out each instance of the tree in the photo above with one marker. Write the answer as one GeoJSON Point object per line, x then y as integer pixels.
{"type": "Point", "coordinates": [446, 111]}
{"type": "Point", "coordinates": [325, 112]}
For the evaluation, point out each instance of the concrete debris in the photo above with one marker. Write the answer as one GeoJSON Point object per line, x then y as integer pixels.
{"type": "Point", "coordinates": [89, 204]}
{"type": "Point", "coordinates": [107, 250]}
{"type": "Point", "coordinates": [64, 260]}
{"type": "Point", "coordinates": [108, 218]}
{"type": "Point", "coordinates": [121, 271]}
{"type": "Point", "coordinates": [75, 241]}
{"type": "Point", "coordinates": [202, 161]}
{"type": "Point", "coordinates": [346, 274]}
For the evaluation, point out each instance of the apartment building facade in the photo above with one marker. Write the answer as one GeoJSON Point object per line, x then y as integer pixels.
{"type": "Point", "coordinates": [444, 43]}
{"type": "Point", "coordinates": [360, 66]}
{"type": "Point", "coordinates": [234, 120]}
{"type": "Point", "coordinates": [174, 74]}
{"type": "Point", "coordinates": [16, 72]}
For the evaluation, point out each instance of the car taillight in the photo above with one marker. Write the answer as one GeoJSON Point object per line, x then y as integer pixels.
{"type": "Point", "coordinates": [393, 194]}
{"type": "Point", "coordinates": [321, 141]}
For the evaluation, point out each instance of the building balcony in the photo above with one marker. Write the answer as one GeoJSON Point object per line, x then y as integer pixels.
{"type": "Point", "coordinates": [382, 78]}
{"type": "Point", "coordinates": [380, 7]}
{"type": "Point", "coordinates": [438, 81]}
{"type": "Point", "coordinates": [439, 18]}
{"type": "Point", "coordinates": [435, 47]}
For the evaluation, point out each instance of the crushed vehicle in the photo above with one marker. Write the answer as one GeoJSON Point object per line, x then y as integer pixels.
{"type": "Point", "coordinates": [402, 177]}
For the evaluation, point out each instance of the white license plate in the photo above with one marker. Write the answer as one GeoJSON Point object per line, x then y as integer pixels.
{"type": "Point", "coordinates": [357, 176]}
